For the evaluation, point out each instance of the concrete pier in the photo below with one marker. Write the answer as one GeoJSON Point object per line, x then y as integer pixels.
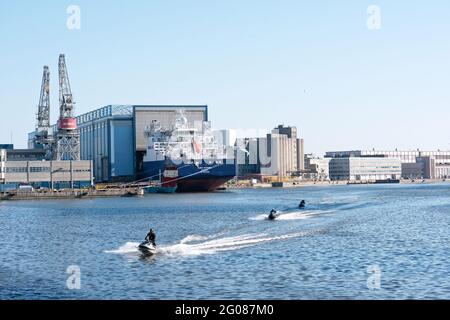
{"type": "Point", "coordinates": [70, 194]}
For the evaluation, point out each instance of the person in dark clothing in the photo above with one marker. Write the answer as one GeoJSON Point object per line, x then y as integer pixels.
{"type": "Point", "coordinates": [302, 204]}
{"type": "Point", "coordinates": [151, 237]}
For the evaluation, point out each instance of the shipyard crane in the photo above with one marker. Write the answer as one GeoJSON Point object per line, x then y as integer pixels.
{"type": "Point", "coordinates": [67, 144]}
{"type": "Point", "coordinates": [43, 137]}
{"type": "Point", "coordinates": [43, 116]}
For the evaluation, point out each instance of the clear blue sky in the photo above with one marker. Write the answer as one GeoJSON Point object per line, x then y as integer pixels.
{"type": "Point", "coordinates": [312, 64]}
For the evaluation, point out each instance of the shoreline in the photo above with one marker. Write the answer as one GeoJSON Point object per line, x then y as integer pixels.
{"type": "Point", "coordinates": [337, 183]}
{"type": "Point", "coordinates": [135, 192]}
{"type": "Point", "coordinates": [70, 194]}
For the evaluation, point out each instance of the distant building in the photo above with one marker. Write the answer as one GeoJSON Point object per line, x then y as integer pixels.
{"type": "Point", "coordinates": [415, 164]}
{"type": "Point", "coordinates": [404, 156]}
{"type": "Point", "coordinates": [316, 168]}
{"type": "Point", "coordinates": [7, 146]}
{"type": "Point", "coordinates": [225, 137]}
{"type": "Point", "coordinates": [43, 174]}
{"type": "Point", "coordinates": [278, 154]}
{"type": "Point", "coordinates": [413, 170]}
{"type": "Point", "coordinates": [249, 165]}
{"type": "Point", "coordinates": [283, 151]}
{"type": "Point", "coordinates": [426, 168]}
{"type": "Point", "coordinates": [365, 169]}
{"type": "Point", "coordinates": [2, 165]}
{"type": "Point", "coordinates": [26, 154]}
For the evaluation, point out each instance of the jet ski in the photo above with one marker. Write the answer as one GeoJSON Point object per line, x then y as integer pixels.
{"type": "Point", "coordinates": [273, 215]}
{"type": "Point", "coordinates": [147, 248]}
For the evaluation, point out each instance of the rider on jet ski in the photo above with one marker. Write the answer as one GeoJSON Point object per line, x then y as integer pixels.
{"type": "Point", "coordinates": [151, 237]}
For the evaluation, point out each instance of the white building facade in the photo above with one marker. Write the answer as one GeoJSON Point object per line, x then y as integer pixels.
{"type": "Point", "coordinates": [365, 169]}
{"type": "Point", "coordinates": [415, 164]}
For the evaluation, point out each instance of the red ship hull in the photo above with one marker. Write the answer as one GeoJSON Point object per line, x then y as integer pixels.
{"type": "Point", "coordinates": [201, 184]}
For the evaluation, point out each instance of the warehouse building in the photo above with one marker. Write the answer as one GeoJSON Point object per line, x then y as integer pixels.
{"type": "Point", "coordinates": [113, 137]}
{"type": "Point", "coordinates": [43, 174]}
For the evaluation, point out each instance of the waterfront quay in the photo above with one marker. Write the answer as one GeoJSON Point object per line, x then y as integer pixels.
{"type": "Point", "coordinates": [70, 194]}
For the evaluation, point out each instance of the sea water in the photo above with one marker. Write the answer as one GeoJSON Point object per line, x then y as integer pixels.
{"type": "Point", "coordinates": [350, 242]}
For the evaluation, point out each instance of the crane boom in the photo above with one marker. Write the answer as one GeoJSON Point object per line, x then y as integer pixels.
{"type": "Point", "coordinates": [65, 94]}
{"type": "Point", "coordinates": [43, 115]}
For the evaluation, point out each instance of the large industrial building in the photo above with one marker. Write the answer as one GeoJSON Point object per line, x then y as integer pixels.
{"type": "Point", "coordinates": [114, 137]}
{"type": "Point", "coordinates": [415, 164]}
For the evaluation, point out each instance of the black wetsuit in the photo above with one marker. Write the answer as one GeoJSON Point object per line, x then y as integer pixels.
{"type": "Point", "coordinates": [151, 237]}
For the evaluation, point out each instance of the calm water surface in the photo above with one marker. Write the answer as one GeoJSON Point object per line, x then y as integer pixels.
{"type": "Point", "coordinates": [220, 246]}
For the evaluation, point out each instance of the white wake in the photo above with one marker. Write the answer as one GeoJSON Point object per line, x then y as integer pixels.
{"type": "Point", "coordinates": [296, 215]}
{"type": "Point", "coordinates": [190, 246]}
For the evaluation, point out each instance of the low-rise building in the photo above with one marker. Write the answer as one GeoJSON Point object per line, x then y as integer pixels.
{"type": "Point", "coordinates": [365, 169]}
{"type": "Point", "coordinates": [316, 168]}
{"type": "Point", "coordinates": [26, 154]}
{"type": "Point", "coordinates": [416, 164]}
{"type": "Point", "coordinates": [44, 174]}
{"type": "Point", "coordinates": [426, 168]}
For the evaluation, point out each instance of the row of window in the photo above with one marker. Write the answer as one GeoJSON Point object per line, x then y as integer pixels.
{"type": "Point", "coordinates": [39, 170]}
{"type": "Point", "coordinates": [97, 114]}
{"type": "Point", "coordinates": [16, 170]}
{"type": "Point", "coordinates": [90, 128]}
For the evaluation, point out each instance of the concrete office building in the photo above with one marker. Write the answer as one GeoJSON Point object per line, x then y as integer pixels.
{"type": "Point", "coordinates": [365, 169]}
{"type": "Point", "coordinates": [44, 174]}
{"type": "Point", "coordinates": [113, 137]}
